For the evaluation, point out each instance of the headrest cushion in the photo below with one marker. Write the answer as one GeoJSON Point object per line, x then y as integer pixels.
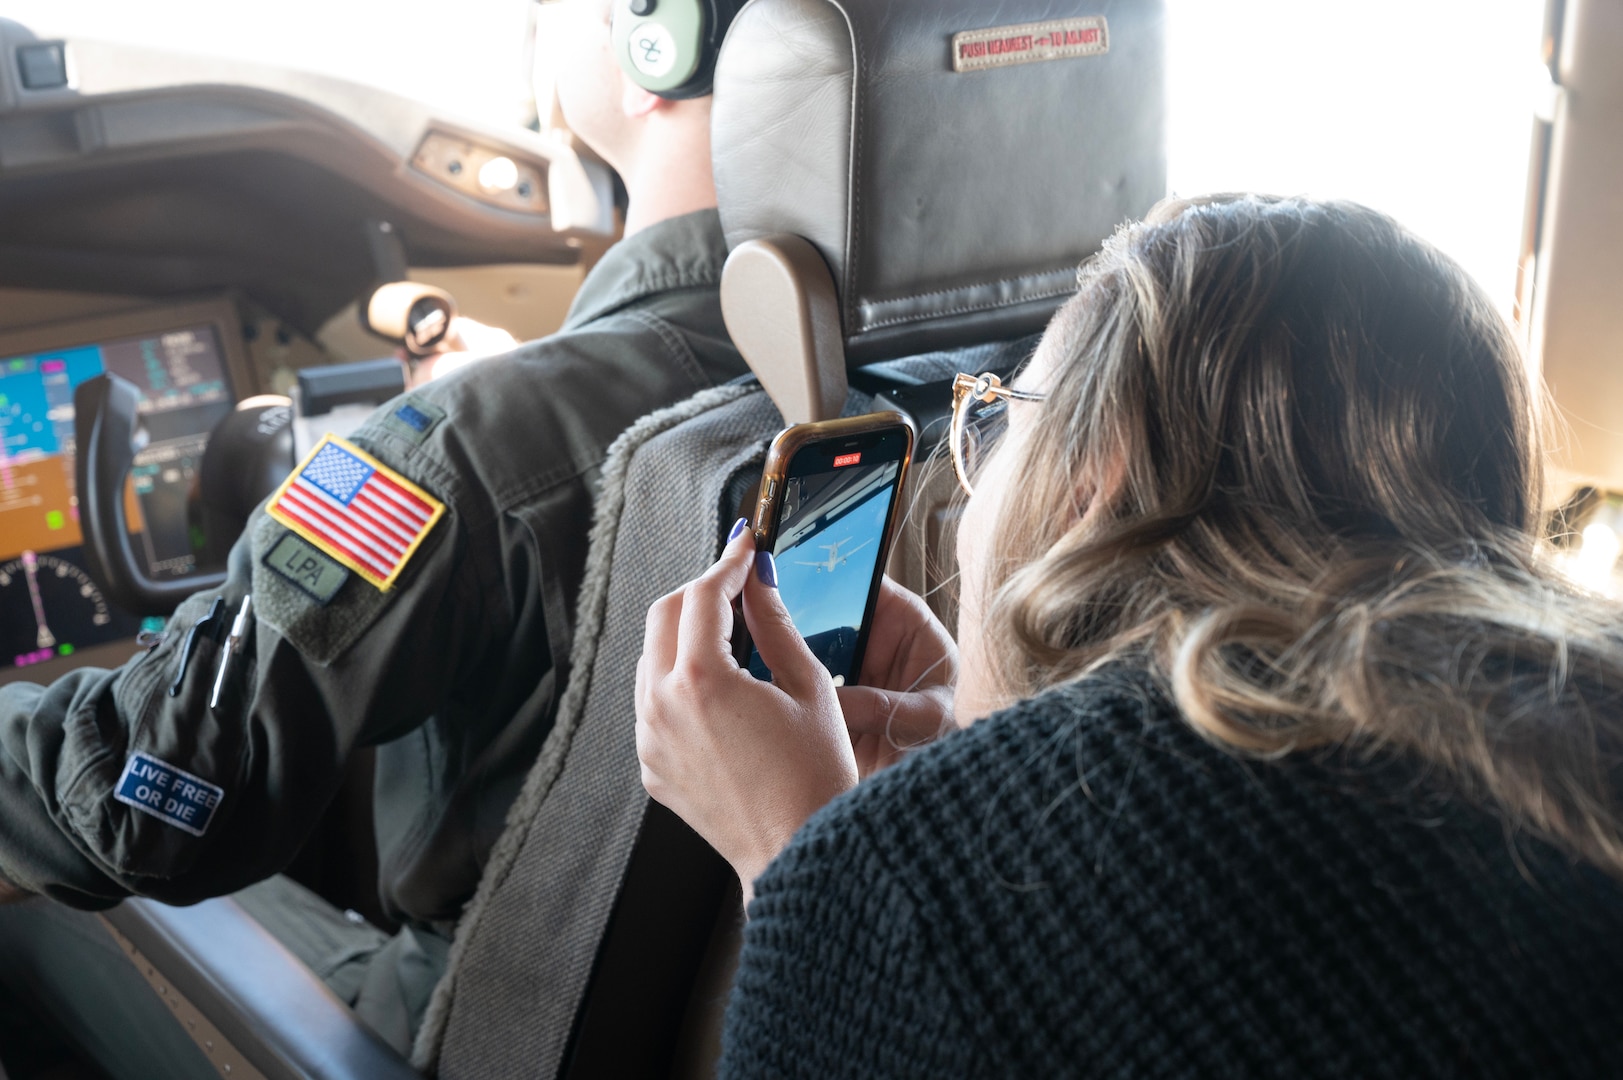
{"type": "Point", "coordinates": [952, 160]}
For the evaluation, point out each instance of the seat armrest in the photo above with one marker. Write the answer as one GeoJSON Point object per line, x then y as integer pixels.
{"type": "Point", "coordinates": [274, 1011]}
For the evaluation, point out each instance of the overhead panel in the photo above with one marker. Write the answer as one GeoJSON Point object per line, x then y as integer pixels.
{"type": "Point", "coordinates": [484, 172]}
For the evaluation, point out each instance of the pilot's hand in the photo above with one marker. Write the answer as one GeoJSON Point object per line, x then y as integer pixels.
{"type": "Point", "coordinates": [905, 696]}
{"type": "Point", "coordinates": [467, 340]}
{"type": "Point", "coordinates": [743, 762]}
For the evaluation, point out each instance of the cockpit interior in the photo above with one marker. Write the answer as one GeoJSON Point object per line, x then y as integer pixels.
{"type": "Point", "coordinates": [263, 254]}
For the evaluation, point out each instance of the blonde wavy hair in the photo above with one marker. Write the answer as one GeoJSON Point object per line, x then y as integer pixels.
{"type": "Point", "coordinates": [1319, 528]}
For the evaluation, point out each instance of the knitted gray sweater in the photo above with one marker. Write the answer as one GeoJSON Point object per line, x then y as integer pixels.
{"type": "Point", "coordinates": [1081, 886]}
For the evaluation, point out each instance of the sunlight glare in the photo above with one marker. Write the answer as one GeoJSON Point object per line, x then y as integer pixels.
{"type": "Point", "coordinates": [467, 57]}
{"type": "Point", "coordinates": [1420, 108]}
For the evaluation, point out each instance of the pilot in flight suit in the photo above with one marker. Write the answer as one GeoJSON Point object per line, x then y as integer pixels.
{"type": "Point", "coordinates": [412, 588]}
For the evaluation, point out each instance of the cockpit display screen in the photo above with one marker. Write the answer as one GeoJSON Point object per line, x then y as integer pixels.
{"type": "Point", "coordinates": [49, 606]}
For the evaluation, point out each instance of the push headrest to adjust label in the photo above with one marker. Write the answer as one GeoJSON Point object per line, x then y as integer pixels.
{"type": "Point", "coordinates": [1061, 39]}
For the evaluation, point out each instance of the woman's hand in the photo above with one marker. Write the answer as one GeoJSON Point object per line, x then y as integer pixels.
{"type": "Point", "coordinates": [905, 697]}
{"type": "Point", "coordinates": [743, 762]}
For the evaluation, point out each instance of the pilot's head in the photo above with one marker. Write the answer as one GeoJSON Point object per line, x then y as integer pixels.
{"type": "Point", "coordinates": [634, 76]}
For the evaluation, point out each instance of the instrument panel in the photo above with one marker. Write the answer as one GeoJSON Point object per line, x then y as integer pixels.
{"type": "Point", "coordinates": [189, 363]}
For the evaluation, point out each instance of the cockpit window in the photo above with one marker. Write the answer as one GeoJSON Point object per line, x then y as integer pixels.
{"type": "Point", "coordinates": [1421, 110]}
{"type": "Point", "coordinates": [1424, 111]}
{"type": "Point", "coordinates": [471, 59]}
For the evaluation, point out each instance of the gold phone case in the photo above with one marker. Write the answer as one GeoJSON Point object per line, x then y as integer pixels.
{"type": "Point", "coordinates": [768, 503]}
{"type": "Point", "coordinates": [790, 441]}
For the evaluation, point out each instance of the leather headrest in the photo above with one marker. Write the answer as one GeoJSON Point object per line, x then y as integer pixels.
{"type": "Point", "coordinates": [951, 160]}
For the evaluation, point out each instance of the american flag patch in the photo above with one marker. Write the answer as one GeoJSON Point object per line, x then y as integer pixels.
{"type": "Point", "coordinates": [357, 510]}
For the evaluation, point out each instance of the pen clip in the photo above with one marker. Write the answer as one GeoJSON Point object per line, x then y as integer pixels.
{"type": "Point", "coordinates": [233, 645]}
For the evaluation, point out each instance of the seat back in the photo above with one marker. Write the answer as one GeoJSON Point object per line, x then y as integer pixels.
{"type": "Point", "coordinates": [526, 947]}
{"type": "Point", "coordinates": [598, 909]}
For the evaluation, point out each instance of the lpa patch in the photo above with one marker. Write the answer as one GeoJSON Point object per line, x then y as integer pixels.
{"type": "Point", "coordinates": [307, 567]}
{"type": "Point", "coordinates": [171, 795]}
{"type": "Point", "coordinates": [357, 510]}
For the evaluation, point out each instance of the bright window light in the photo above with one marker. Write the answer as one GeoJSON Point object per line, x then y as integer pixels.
{"type": "Point", "coordinates": [467, 57]}
{"type": "Point", "coordinates": [1593, 563]}
{"type": "Point", "coordinates": [1420, 108]}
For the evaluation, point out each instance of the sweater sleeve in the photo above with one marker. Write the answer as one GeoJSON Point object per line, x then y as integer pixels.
{"type": "Point", "coordinates": [837, 975]}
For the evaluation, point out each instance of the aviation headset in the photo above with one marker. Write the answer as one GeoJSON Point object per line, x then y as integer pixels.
{"type": "Point", "coordinates": [669, 47]}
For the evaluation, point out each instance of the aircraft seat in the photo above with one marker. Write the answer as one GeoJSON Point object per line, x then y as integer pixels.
{"type": "Point", "coordinates": [908, 188]}
{"type": "Point", "coordinates": [249, 1004]}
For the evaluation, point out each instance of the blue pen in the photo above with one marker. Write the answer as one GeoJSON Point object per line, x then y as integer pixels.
{"type": "Point", "coordinates": [207, 624]}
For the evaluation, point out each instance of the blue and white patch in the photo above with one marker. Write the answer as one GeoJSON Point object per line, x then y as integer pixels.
{"type": "Point", "coordinates": [173, 796]}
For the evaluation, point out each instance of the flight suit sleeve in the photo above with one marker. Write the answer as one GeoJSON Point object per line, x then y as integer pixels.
{"type": "Point", "coordinates": [128, 782]}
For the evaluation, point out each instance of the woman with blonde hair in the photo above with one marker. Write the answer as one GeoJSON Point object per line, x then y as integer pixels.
{"type": "Point", "coordinates": [1282, 752]}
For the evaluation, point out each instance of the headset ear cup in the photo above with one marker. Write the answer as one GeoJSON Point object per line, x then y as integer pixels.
{"type": "Point", "coordinates": [663, 50]}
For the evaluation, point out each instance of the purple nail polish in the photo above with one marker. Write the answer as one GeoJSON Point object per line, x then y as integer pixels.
{"type": "Point", "coordinates": [766, 569]}
{"type": "Point", "coordinates": [738, 529]}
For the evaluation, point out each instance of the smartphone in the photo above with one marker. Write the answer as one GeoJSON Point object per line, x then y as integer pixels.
{"type": "Point", "coordinates": [828, 510]}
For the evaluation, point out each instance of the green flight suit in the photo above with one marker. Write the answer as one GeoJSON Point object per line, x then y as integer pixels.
{"type": "Point", "coordinates": [453, 674]}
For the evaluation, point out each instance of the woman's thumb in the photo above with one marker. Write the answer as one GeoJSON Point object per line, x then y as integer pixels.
{"type": "Point", "coordinates": [773, 632]}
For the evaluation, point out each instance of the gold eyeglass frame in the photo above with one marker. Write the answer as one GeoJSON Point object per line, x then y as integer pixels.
{"type": "Point", "coordinates": [985, 388]}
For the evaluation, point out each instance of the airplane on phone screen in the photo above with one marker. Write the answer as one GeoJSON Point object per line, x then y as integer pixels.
{"type": "Point", "coordinates": [835, 560]}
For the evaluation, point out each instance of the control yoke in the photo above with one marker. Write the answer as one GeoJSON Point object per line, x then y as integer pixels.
{"type": "Point", "coordinates": [105, 429]}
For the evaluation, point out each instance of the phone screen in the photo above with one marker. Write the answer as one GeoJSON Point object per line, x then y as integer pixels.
{"type": "Point", "coordinates": [834, 514]}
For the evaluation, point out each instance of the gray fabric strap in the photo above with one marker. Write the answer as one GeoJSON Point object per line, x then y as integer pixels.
{"type": "Point", "coordinates": [525, 948]}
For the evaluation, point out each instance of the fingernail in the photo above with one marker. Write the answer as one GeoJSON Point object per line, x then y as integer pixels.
{"type": "Point", "coordinates": [766, 569]}
{"type": "Point", "coordinates": [738, 529]}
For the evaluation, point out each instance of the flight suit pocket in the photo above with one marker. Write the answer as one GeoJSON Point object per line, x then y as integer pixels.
{"type": "Point", "coordinates": [317, 604]}
{"type": "Point", "coordinates": [145, 792]}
